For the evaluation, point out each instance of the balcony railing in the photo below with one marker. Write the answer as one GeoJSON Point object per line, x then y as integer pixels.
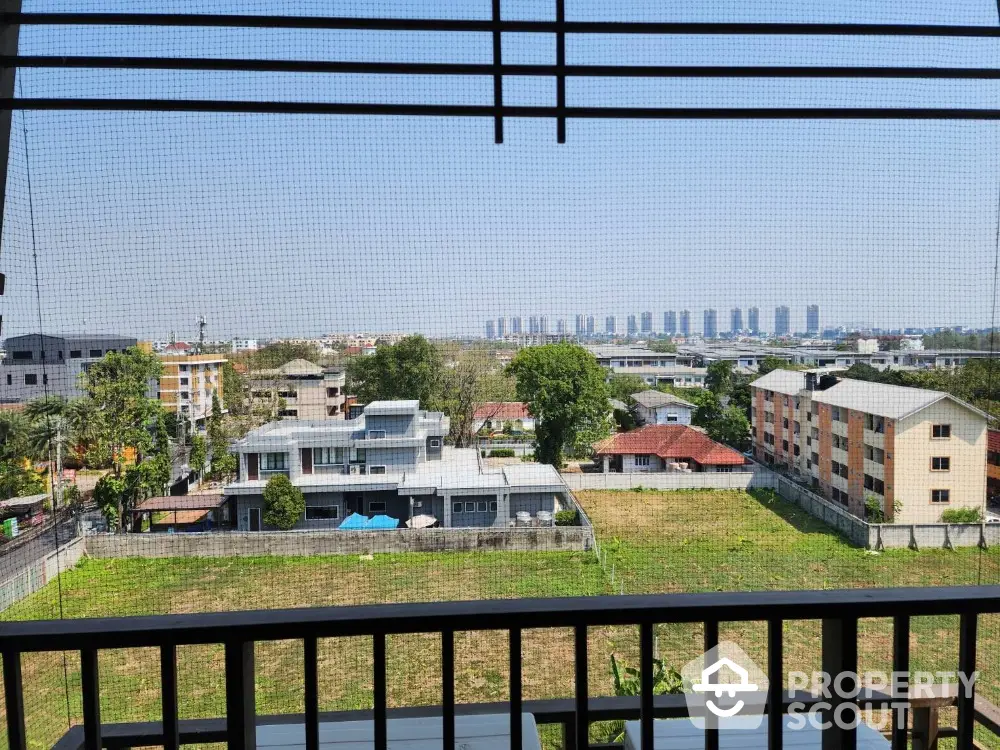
{"type": "Point", "coordinates": [839, 612]}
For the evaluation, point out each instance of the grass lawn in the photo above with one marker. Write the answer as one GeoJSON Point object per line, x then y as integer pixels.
{"type": "Point", "coordinates": [654, 542]}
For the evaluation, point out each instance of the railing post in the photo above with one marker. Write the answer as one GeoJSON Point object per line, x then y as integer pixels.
{"type": "Point", "coordinates": [775, 680]}
{"type": "Point", "coordinates": [516, 738]}
{"type": "Point", "coordinates": [381, 689]}
{"type": "Point", "coordinates": [241, 711]}
{"type": "Point", "coordinates": [90, 684]}
{"type": "Point", "coordinates": [497, 77]}
{"type": "Point", "coordinates": [967, 666]}
{"type": "Point", "coordinates": [13, 690]}
{"type": "Point", "coordinates": [646, 685]}
{"type": "Point", "coordinates": [840, 655]}
{"type": "Point", "coordinates": [710, 641]}
{"type": "Point", "coordinates": [582, 690]}
{"type": "Point", "coordinates": [311, 686]}
{"type": "Point", "coordinates": [168, 696]}
{"type": "Point", "coordinates": [900, 666]}
{"type": "Point", "coordinates": [560, 77]}
{"type": "Point", "coordinates": [448, 688]}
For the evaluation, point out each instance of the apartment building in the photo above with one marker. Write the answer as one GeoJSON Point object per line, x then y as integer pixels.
{"type": "Point", "coordinates": [187, 384]}
{"type": "Point", "coordinates": [389, 460]}
{"type": "Point", "coordinates": [300, 390]}
{"type": "Point", "coordinates": [36, 364]}
{"type": "Point", "coordinates": [918, 452]}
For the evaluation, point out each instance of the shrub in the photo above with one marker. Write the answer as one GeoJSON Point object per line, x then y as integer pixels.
{"type": "Point", "coordinates": [284, 503]}
{"type": "Point", "coordinates": [502, 453]}
{"type": "Point", "coordinates": [528, 458]}
{"type": "Point", "coordinates": [566, 518]}
{"type": "Point", "coordinates": [962, 515]}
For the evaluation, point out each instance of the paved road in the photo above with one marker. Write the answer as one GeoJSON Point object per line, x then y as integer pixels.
{"type": "Point", "coordinates": [21, 556]}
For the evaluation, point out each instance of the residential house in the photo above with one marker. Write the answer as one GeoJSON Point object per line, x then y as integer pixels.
{"type": "Point", "coordinates": [300, 390]}
{"type": "Point", "coordinates": [666, 448]}
{"type": "Point", "coordinates": [390, 460]}
{"type": "Point", "coordinates": [187, 384]}
{"type": "Point", "coordinates": [495, 415]}
{"type": "Point", "coordinates": [916, 452]}
{"type": "Point", "coordinates": [36, 365]}
{"type": "Point", "coordinates": [654, 407]}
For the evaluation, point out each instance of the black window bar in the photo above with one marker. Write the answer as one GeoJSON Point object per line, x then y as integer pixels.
{"type": "Point", "coordinates": [238, 632]}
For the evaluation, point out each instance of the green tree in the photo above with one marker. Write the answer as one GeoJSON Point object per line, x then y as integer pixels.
{"type": "Point", "coordinates": [117, 384]}
{"type": "Point", "coordinates": [199, 454]}
{"type": "Point", "coordinates": [565, 390]}
{"type": "Point", "coordinates": [284, 503]}
{"type": "Point", "coordinates": [708, 407]}
{"type": "Point", "coordinates": [719, 379]}
{"type": "Point", "coordinates": [18, 478]}
{"type": "Point", "coordinates": [474, 378]}
{"type": "Point", "coordinates": [109, 494]}
{"type": "Point", "coordinates": [731, 427]}
{"type": "Point", "coordinates": [224, 465]}
{"type": "Point", "coordinates": [769, 363]}
{"type": "Point", "coordinates": [661, 345]}
{"type": "Point", "coordinates": [622, 387]}
{"type": "Point", "coordinates": [410, 369]}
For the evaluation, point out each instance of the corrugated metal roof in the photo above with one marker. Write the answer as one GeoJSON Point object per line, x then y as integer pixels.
{"type": "Point", "coordinates": [652, 399]}
{"type": "Point", "coordinates": [789, 382]}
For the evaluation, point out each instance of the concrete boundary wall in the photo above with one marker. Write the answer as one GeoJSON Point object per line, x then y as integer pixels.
{"type": "Point", "coordinates": [38, 573]}
{"type": "Point", "coordinates": [334, 542]}
{"type": "Point", "coordinates": [740, 480]}
{"type": "Point", "coordinates": [933, 535]}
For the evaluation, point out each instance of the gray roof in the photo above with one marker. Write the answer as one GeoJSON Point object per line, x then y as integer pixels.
{"type": "Point", "coordinates": [653, 399]}
{"type": "Point", "coordinates": [890, 401]}
{"type": "Point", "coordinates": [788, 382]}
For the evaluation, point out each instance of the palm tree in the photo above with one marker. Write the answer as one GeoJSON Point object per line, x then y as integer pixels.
{"type": "Point", "coordinates": [14, 431]}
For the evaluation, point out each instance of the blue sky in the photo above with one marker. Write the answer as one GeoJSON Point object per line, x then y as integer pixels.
{"type": "Point", "coordinates": [298, 225]}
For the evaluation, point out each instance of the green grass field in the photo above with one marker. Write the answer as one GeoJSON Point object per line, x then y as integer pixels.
{"type": "Point", "coordinates": [652, 541]}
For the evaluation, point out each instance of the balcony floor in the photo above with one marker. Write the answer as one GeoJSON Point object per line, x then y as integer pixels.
{"type": "Point", "coordinates": [681, 734]}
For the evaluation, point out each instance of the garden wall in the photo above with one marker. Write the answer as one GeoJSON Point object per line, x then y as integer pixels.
{"type": "Point", "coordinates": [663, 481]}
{"type": "Point", "coordinates": [39, 572]}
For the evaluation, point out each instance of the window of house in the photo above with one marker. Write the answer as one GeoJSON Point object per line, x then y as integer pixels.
{"type": "Point", "coordinates": [376, 470]}
{"type": "Point", "coordinates": [470, 507]}
{"type": "Point", "coordinates": [457, 507]}
{"type": "Point", "coordinates": [672, 417]}
{"type": "Point", "coordinates": [784, 446]}
{"type": "Point", "coordinates": [941, 431]}
{"type": "Point", "coordinates": [75, 354]}
{"type": "Point", "coordinates": [328, 456]}
{"type": "Point", "coordinates": [45, 378]}
{"type": "Point", "coordinates": [9, 380]}
{"type": "Point", "coordinates": [95, 352]}
{"type": "Point", "coordinates": [482, 506]}
{"type": "Point", "coordinates": [940, 496]}
{"type": "Point", "coordinates": [184, 368]}
{"type": "Point", "coordinates": [875, 485]}
{"type": "Point", "coordinates": [22, 356]}
{"type": "Point", "coordinates": [360, 455]}
{"type": "Point", "coordinates": [288, 413]}
{"type": "Point", "coordinates": [274, 461]}
{"type": "Point", "coordinates": [435, 443]}
{"type": "Point", "coordinates": [376, 434]}
{"type": "Point", "coordinates": [797, 450]}
{"type": "Point", "coordinates": [493, 506]}
{"type": "Point", "coordinates": [322, 512]}
{"type": "Point", "coordinates": [941, 463]}
{"type": "Point", "coordinates": [30, 379]}
{"type": "Point", "coordinates": [60, 355]}
{"type": "Point", "coordinates": [835, 414]}
{"type": "Point", "coordinates": [184, 381]}
{"type": "Point", "coordinates": [376, 506]}
{"type": "Point", "coordinates": [642, 460]}
{"type": "Point", "coordinates": [784, 423]}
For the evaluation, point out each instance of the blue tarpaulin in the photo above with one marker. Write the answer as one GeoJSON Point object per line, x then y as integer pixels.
{"type": "Point", "coordinates": [383, 522]}
{"type": "Point", "coordinates": [354, 522]}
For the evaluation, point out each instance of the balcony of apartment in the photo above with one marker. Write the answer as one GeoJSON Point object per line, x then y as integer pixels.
{"type": "Point", "coordinates": [652, 721]}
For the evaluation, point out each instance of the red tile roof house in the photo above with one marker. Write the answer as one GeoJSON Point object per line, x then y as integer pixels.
{"type": "Point", "coordinates": [665, 448]}
{"type": "Point", "coordinates": [494, 414]}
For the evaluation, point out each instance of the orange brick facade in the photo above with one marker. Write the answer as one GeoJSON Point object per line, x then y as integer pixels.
{"type": "Point", "coordinates": [856, 462]}
{"type": "Point", "coordinates": [825, 447]}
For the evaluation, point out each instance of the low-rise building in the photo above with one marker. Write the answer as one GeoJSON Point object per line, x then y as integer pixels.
{"type": "Point", "coordinates": [654, 407]}
{"type": "Point", "coordinates": [187, 384]}
{"type": "Point", "coordinates": [665, 448]}
{"type": "Point", "coordinates": [391, 461]}
{"type": "Point", "coordinates": [915, 452]}
{"type": "Point", "coordinates": [300, 390]}
{"type": "Point", "coordinates": [496, 415]}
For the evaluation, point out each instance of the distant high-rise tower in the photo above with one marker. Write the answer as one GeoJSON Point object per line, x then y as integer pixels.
{"type": "Point", "coordinates": [685, 323]}
{"type": "Point", "coordinates": [736, 320]}
{"type": "Point", "coordinates": [533, 328]}
{"type": "Point", "coordinates": [812, 320]}
{"type": "Point", "coordinates": [561, 327]}
{"type": "Point", "coordinates": [515, 324]}
{"type": "Point", "coordinates": [670, 321]}
{"type": "Point", "coordinates": [646, 322]}
{"type": "Point", "coordinates": [782, 318]}
{"type": "Point", "coordinates": [543, 325]}
{"type": "Point", "coordinates": [611, 325]}
{"type": "Point", "coordinates": [590, 325]}
{"type": "Point", "coordinates": [581, 324]}
{"type": "Point", "coordinates": [710, 329]}
{"type": "Point", "coordinates": [501, 327]}
{"type": "Point", "coordinates": [753, 320]}
{"type": "Point", "coordinates": [491, 329]}
{"type": "Point", "coordinates": [633, 325]}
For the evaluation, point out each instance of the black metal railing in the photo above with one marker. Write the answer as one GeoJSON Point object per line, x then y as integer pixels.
{"type": "Point", "coordinates": [238, 632]}
{"type": "Point", "coordinates": [492, 29]}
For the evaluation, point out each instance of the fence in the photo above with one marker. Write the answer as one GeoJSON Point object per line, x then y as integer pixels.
{"type": "Point", "coordinates": [661, 481]}
{"type": "Point", "coordinates": [39, 572]}
{"type": "Point", "coordinates": [334, 542]}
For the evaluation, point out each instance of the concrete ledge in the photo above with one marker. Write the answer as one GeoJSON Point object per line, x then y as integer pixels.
{"type": "Point", "coordinates": [333, 542]}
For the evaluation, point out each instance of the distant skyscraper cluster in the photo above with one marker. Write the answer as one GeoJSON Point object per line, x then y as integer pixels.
{"type": "Point", "coordinates": [641, 324]}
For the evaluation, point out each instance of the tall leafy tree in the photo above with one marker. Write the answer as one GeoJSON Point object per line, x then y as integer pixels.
{"type": "Point", "coordinates": [719, 378]}
{"type": "Point", "coordinates": [410, 369]}
{"type": "Point", "coordinates": [769, 363]}
{"type": "Point", "coordinates": [622, 387]}
{"type": "Point", "coordinates": [472, 379]}
{"type": "Point", "coordinates": [118, 385]}
{"type": "Point", "coordinates": [565, 390]}
{"type": "Point", "coordinates": [284, 503]}
{"type": "Point", "coordinates": [732, 427]}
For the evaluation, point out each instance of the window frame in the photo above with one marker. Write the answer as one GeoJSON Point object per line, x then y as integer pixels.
{"type": "Point", "coordinates": [946, 493]}
{"type": "Point", "coordinates": [482, 506]}
{"type": "Point", "coordinates": [33, 376]}
{"type": "Point", "coordinates": [331, 452]}
{"type": "Point", "coordinates": [335, 509]}
{"type": "Point", "coordinates": [265, 461]}
{"type": "Point", "coordinates": [373, 509]}
{"type": "Point", "coordinates": [640, 459]}
{"type": "Point", "coordinates": [434, 443]}
{"type": "Point", "coordinates": [493, 506]}
{"type": "Point", "coordinates": [943, 461]}
{"type": "Point", "coordinates": [375, 435]}
{"type": "Point", "coordinates": [470, 506]}
{"type": "Point", "coordinates": [376, 469]}
{"type": "Point", "coordinates": [943, 428]}
{"type": "Point", "coordinates": [457, 507]}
